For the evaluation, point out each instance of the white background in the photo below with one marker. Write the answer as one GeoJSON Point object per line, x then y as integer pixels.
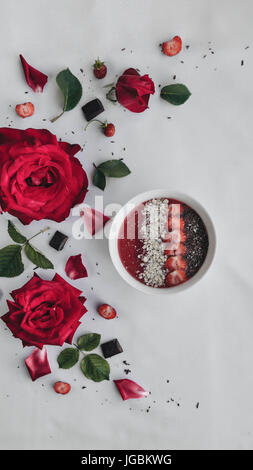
{"type": "Point", "coordinates": [200, 340]}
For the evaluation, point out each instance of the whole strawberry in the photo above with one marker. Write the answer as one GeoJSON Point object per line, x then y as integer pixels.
{"type": "Point", "coordinates": [108, 128]}
{"type": "Point", "coordinates": [107, 312]}
{"type": "Point", "coordinates": [99, 69]}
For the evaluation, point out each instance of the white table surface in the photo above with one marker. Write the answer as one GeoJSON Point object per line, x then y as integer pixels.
{"type": "Point", "coordinates": [200, 340]}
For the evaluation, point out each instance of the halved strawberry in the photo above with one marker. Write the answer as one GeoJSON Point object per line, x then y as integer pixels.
{"type": "Point", "coordinates": [175, 277]}
{"type": "Point", "coordinates": [174, 238]}
{"type": "Point", "coordinates": [62, 387]}
{"type": "Point", "coordinates": [25, 110]}
{"type": "Point", "coordinates": [175, 223]}
{"type": "Point", "coordinates": [173, 46]}
{"type": "Point", "coordinates": [175, 263]}
{"type": "Point", "coordinates": [107, 312]}
{"type": "Point", "coordinates": [175, 209]}
{"type": "Point", "coordinates": [181, 250]}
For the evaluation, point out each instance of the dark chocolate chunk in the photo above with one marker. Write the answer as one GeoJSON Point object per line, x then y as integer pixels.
{"type": "Point", "coordinates": [92, 109]}
{"type": "Point", "coordinates": [58, 241]}
{"type": "Point", "coordinates": [111, 348]}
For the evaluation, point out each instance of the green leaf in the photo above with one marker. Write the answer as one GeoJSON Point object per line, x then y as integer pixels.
{"type": "Point", "coordinates": [68, 358]}
{"type": "Point", "coordinates": [99, 179]}
{"type": "Point", "coordinates": [88, 342]}
{"type": "Point", "coordinates": [175, 94]}
{"type": "Point", "coordinates": [37, 258]}
{"type": "Point", "coordinates": [71, 89]}
{"type": "Point", "coordinates": [95, 368]}
{"type": "Point", "coordinates": [10, 261]}
{"type": "Point", "coordinates": [15, 234]}
{"type": "Point", "coordinates": [114, 168]}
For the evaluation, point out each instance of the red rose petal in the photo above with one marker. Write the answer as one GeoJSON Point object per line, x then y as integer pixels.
{"type": "Point", "coordinates": [74, 267]}
{"type": "Point", "coordinates": [70, 337]}
{"type": "Point", "coordinates": [130, 389]}
{"type": "Point", "coordinates": [131, 71]}
{"type": "Point", "coordinates": [71, 149]}
{"type": "Point", "coordinates": [94, 220]}
{"type": "Point", "coordinates": [37, 363]}
{"type": "Point", "coordinates": [35, 79]}
{"type": "Point", "coordinates": [76, 292]}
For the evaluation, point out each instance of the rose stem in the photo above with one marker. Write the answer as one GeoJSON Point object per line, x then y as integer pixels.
{"type": "Point", "coordinates": [109, 84]}
{"type": "Point", "coordinates": [42, 231]}
{"type": "Point", "coordinates": [57, 117]}
{"type": "Point", "coordinates": [78, 348]}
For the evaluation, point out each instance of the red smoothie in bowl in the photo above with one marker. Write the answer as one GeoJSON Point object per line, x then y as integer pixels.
{"type": "Point", "coordinates": [162, 243]}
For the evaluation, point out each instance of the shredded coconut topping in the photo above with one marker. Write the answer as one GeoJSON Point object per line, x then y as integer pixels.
{"type": "Point", "coordinates": [155, 215]}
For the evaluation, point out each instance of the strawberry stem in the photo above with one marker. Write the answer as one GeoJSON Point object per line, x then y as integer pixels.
{"type": "Point", "coordinates": [111, 94]}
{"type": "Point", "coordinates": [94, 120]}
{"type": "Point", "coordinates": [98, 64]}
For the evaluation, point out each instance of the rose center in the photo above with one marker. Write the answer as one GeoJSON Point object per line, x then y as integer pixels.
{"type": "Point", "coordinates": [44, 317]}
{"type": "Point", "coordinates": [42, 177]}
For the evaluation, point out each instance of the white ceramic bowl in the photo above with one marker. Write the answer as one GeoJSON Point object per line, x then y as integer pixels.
{"type": "Point", "coordinates": [124, 211]}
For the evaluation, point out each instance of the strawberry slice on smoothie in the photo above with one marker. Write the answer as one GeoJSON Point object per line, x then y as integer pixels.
{"type": "Point", "coordinates": [174, 263]}
{"type": "Point", "coordinates": [175, 223]}
{"type": "Point", "coordinates": [173, 239]}
{"type": "Point", "coordinates": [175, 277]}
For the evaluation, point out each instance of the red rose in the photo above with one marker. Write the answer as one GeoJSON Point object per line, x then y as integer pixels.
{"type": "Point", "coordinates": [45, 312]}
{"type": "Point", "coordinates": [133, 91]}
{"type": "Point", "coordinates": [39, 177]}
